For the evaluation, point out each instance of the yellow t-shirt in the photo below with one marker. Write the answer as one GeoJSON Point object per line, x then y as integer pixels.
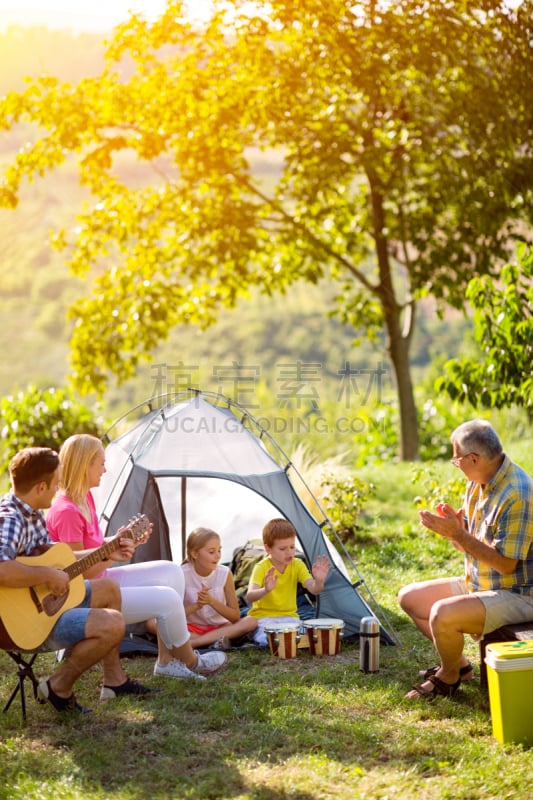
{"type": "Point", "coordinates": [281, 601]}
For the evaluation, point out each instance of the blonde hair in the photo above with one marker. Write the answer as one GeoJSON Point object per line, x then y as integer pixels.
{"type": "Point", "coordinates": [197, 539]}
{"type": "Point", "coordinates": [76, 455]}
{"type": "Point", "coordinates": [277, 529]}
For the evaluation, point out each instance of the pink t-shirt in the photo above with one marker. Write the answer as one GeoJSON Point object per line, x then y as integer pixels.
{"type": "Point", "coordinates": [66, 523]}
{"type": "Point", "coordinates": [215, 582]}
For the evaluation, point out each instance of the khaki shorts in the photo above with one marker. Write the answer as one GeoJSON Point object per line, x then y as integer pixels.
{"type": "Point", "coordinates": [502, 607]}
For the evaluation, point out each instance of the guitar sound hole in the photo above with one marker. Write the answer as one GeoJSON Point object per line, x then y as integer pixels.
{"type": "Point", "coordinates": [53, 603]}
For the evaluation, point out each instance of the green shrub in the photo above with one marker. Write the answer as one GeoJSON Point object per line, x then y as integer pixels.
{"type": "Point", "coordinates": [42, 418]}
{"type": "Point", "coordinates": [343, 500]}
{"type": "Point", "coordinates": [435, 489]}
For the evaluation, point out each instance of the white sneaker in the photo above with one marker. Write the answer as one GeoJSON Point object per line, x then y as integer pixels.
{"type": "Point", "coordinates": [209, 662]}
{"type": "Point", "coordinates": [175, 669]}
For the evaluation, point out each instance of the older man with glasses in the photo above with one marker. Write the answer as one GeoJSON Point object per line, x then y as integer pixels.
{"type": "Point", "coordinates": [494, 529]}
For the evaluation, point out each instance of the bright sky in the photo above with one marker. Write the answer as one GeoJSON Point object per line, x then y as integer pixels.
{"type": "Point", "coordinates": [99, 15]}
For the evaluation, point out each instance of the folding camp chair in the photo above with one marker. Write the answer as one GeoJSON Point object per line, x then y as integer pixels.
{"type": "Point", "coordinates": [24, 662]}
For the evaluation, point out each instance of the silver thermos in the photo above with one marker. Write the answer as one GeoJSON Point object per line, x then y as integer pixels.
{"type": "Point", "coordinates": [369, 645]}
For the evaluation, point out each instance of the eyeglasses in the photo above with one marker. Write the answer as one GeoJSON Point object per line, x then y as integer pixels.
{"type": "Point", "coordinates": [457, 460]}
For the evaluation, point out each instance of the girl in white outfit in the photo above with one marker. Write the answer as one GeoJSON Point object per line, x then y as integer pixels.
{"type": "Point", "coordinates": [153, 589]}
{"type": "Point", "coordinates": [211, 604]}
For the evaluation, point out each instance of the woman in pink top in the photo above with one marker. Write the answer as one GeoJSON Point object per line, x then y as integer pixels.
{"type": "Point", "coordinates": [211, 604]}
{"type": "Point", "coordinates": [153, 589]}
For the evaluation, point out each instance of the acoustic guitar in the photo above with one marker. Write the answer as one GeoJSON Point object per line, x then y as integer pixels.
{"type": "Point", "coordinates": [28, 614]}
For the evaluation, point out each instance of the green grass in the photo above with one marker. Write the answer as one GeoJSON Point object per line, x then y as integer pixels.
{"type": "Point", "coordinates": [314, 728]}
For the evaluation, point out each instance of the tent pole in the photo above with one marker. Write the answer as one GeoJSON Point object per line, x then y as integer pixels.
{"type": "Point", "coordinates": [183, 517]}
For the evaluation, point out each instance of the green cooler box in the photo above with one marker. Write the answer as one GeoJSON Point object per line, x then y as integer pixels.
{"type": "Point", "coordinates": [510, 681]}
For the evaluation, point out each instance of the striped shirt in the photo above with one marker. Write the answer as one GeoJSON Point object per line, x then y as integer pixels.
{"type": "Point", "coordinates": [22, 528]}
{"type": "Point", "coordinates": [500, 513]}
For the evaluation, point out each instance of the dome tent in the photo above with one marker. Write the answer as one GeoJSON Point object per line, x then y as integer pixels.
{"type": "Point", "coordinates": [199, 459]}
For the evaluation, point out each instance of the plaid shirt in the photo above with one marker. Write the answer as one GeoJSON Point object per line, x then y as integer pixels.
{"type": "Point", "coordinates": [22, 528]}
{"type": "Point", "coordinates": [500, 513]}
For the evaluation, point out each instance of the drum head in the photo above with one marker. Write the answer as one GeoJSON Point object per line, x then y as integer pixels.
{"type": "Point", "coordinates": [282, 627]}
{"type": "Point", "coordinates": [324, 622]}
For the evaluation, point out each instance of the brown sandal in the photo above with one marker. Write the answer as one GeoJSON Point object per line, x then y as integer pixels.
{"type": "Point", "coordinates": [427, 673]}
{"type": "Point", "coordinates": [439, 688]}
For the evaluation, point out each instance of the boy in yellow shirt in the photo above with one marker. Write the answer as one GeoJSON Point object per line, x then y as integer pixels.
{"type": "Point", "coordinates": [274, 580]}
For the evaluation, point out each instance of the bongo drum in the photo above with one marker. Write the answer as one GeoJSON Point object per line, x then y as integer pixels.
{"type": "Point", "coordinates": [283, 638]}
{"type": "Point", "coordinates": [324, 635]}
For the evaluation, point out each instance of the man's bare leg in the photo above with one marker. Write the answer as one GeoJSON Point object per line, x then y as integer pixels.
{"type": "Point", "coordinates": [450, 619]}
{"type": "Point", "coordinates": [417, 600]}
{"type": "Point", "coordinates": [103, 631]}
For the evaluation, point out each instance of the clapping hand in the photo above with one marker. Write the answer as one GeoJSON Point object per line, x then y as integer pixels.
{"type": "Point", "coordinates": [270, 579]}
{"type": "Point", "coordinates": [204, 598]}
{"type": "Point", "coordinates": [321, 568]}
{"type": "Point", "coordinates": [446, 522]}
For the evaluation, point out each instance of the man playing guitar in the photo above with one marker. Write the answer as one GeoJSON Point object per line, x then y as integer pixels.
{"type": "Point", "coordinates": [93, 629]}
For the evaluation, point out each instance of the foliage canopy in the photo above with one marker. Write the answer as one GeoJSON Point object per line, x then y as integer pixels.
{"type": "Point", "coordinates": [403, 132]}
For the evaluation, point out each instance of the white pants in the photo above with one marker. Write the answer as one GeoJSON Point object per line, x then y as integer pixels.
{"type": "Point", "coordinates": [154, 589]}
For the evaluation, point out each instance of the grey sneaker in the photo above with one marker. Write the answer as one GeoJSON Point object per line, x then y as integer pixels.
{"type": "Point", "coordinates": [175, 669]}
{"type": "Point", "coordinates": [210, 662]}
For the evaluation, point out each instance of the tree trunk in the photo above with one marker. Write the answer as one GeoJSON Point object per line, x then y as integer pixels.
{"type": "Point", "coordinates": [398, 340]}
{"type": "Point", "coordinates": [399, 355]}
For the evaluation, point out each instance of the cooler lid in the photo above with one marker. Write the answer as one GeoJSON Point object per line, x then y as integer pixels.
{"type": "Point", "coordinates": [510, 656]}
{"type": "Point", "coordinates": [523, 649]}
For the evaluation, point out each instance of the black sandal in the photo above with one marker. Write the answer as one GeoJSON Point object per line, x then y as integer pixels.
{"type": "Point", "coordinates": [426, 674]}
{"type": "Point", "coordinates": [440, 689]}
